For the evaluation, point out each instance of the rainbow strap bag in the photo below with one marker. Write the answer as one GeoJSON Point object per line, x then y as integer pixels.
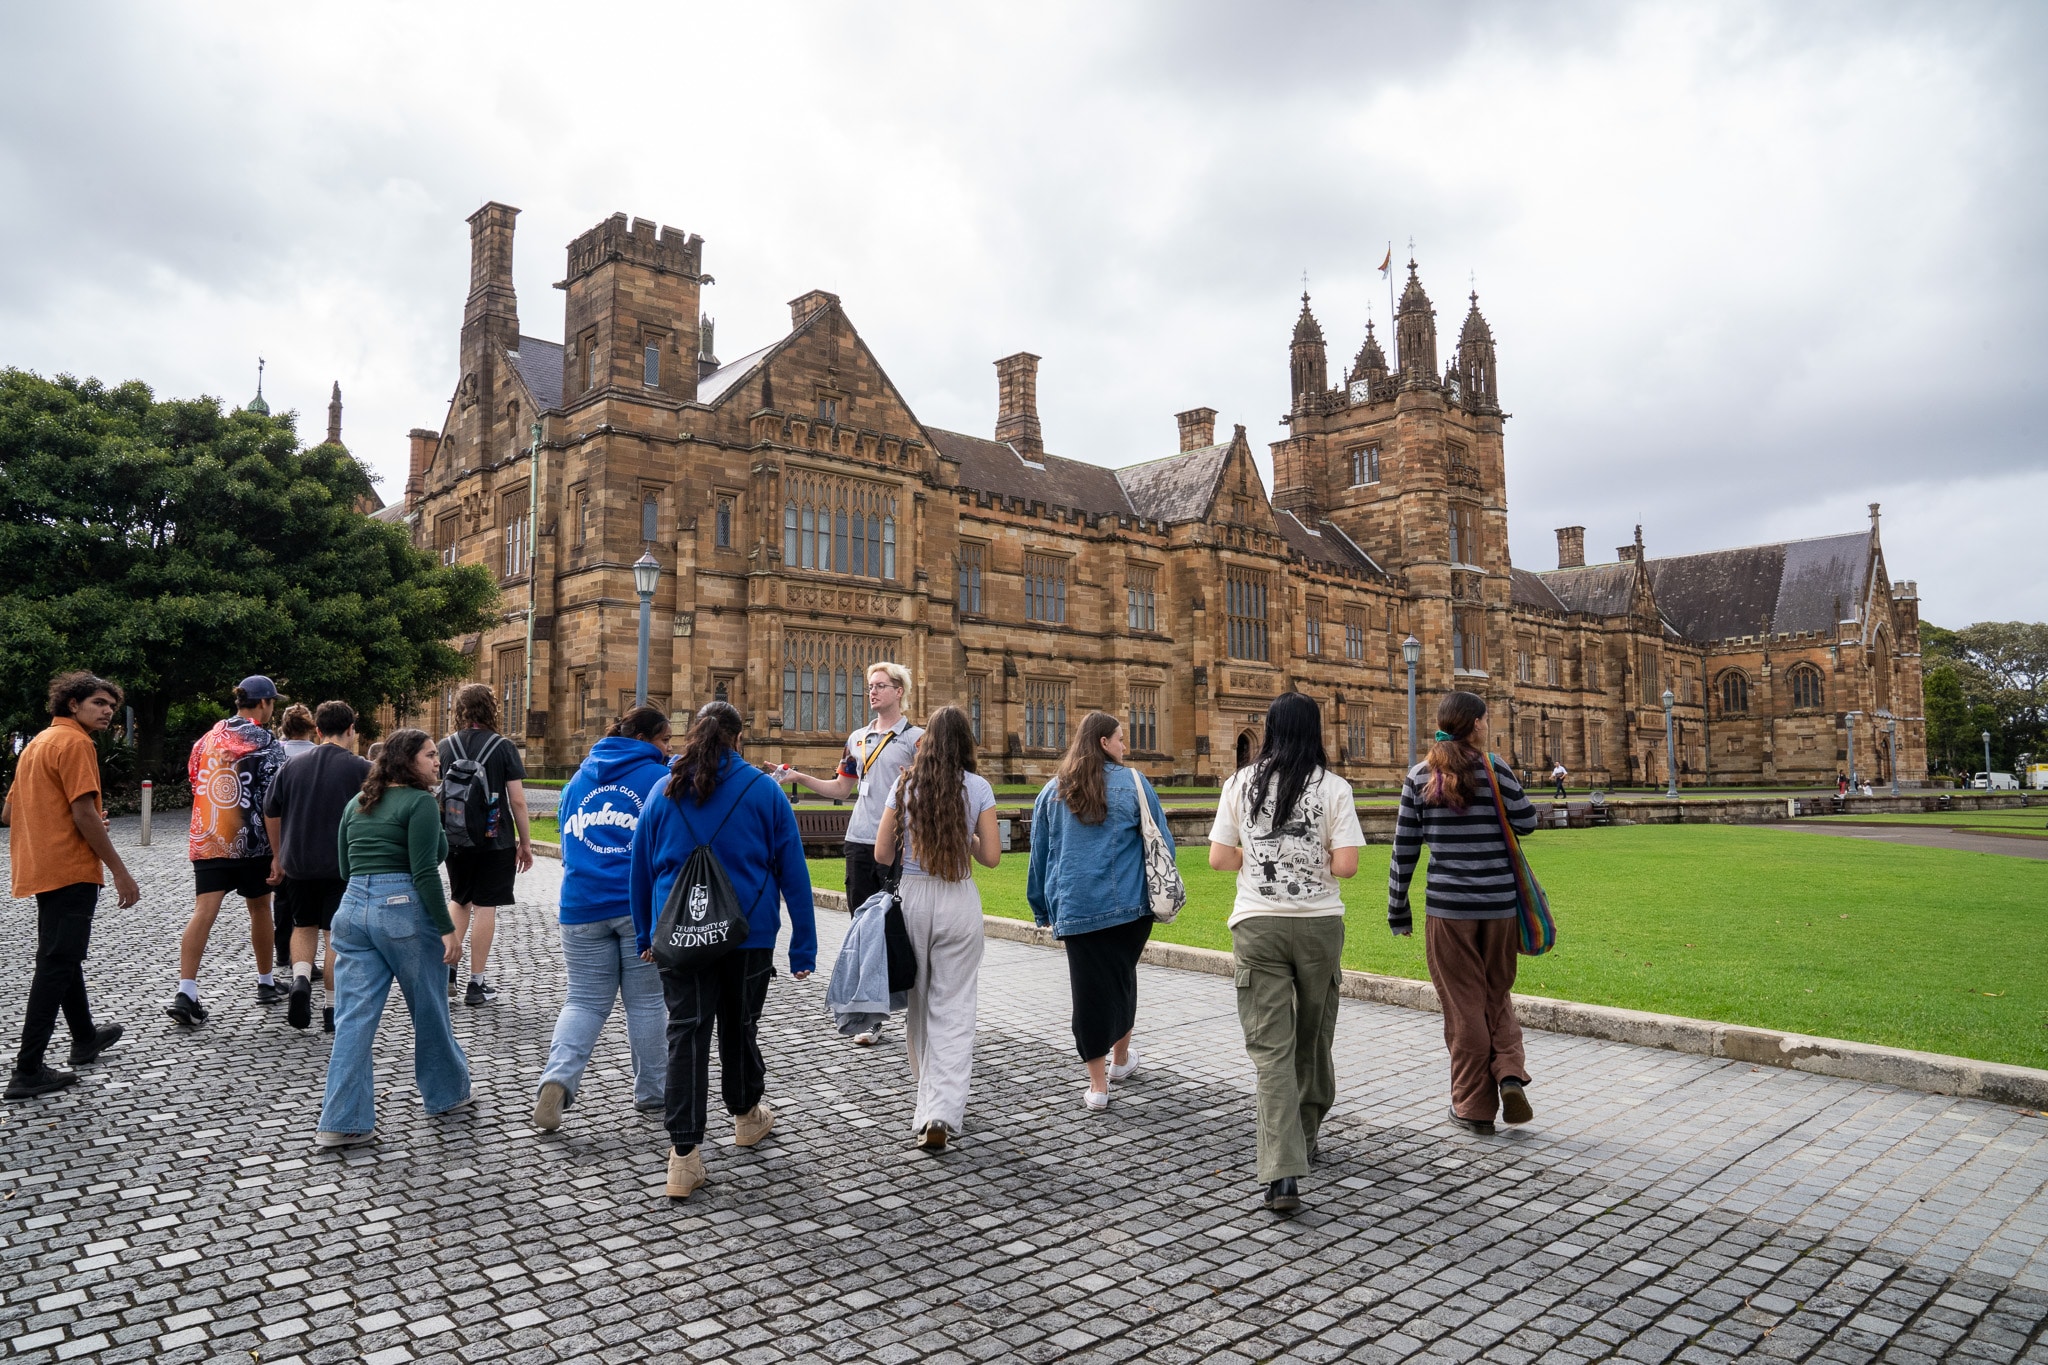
{"type": "Point", "coordinates": [1532, 907]}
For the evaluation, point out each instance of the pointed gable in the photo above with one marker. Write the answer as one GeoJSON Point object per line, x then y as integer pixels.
{"type": "Point", "coordinates": [539, 367]}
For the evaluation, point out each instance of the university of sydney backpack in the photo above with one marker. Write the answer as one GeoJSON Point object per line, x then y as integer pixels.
{"type": "Point", "coordinates": [466, 795]}
{"type": "Point", "coordinates": [701, 921]}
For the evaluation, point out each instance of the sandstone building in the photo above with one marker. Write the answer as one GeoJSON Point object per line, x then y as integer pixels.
{"type": "Point", "coordinates": [808, 523]}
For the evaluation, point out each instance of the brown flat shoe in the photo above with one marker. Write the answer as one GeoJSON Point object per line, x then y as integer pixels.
{"type": "Point", "coordinates": [1514, 1104]}
{"type": "Point", "coordinates": [933, 1138]}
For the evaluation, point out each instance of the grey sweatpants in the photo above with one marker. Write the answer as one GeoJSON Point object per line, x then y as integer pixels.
{"type": "Point", "coordinates": [1288, 969]}
{"type": "Point", "coordinates": [943, 920]}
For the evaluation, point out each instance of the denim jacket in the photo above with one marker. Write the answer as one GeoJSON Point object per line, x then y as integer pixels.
{"type": "Point", "coordinates": [1089, 877]}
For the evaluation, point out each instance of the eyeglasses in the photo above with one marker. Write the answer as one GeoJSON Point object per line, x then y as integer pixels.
{"type": "Point", "coordinates": [884, 687]}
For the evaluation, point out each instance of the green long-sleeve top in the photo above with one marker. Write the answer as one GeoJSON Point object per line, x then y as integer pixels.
{"type": "Point", "coordinates": [403, 834]}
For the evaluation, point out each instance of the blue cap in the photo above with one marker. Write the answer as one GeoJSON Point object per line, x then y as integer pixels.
{"type": "Point", "coordinates": [256, 687]}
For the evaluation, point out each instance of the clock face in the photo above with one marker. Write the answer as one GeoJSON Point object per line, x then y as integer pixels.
{"type": "Point", "coordinates": [1361, 391]}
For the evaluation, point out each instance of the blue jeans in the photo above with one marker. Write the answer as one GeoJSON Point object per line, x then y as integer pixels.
{"type": "Point", "coordinates": [381, 934]}
{"type": "Point", "coordinates": [602, 966]}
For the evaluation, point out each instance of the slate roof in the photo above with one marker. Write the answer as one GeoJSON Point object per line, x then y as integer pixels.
{"type": "Point", "coordinates": [1597, 589]}
{"type": "Point", "coordinates": [1793, 586]}
{"type": "Point", "coordinates": [1178, 488]}
{"type": "Point", "coordinates": [722, 380]}
{"type": "Point", "coordinates": [1529, 590]}
{"type": "Point", "coordinates": [1324, 543]}
{"type": "Point", "coordinates": [996, 467]}
{"type": "Point", "coordinates": [540, 366]}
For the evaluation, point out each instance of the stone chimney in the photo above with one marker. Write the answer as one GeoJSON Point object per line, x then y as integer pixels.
{"type": "Point", "coordinates": [1197, 428]}
{"type": "Point", "coordinates": [804, 305]}
{"type": "Point", "coordinates": [1017, 404]}
{"type": "Point", "coordinates": [423, 443]}
{"type": "Point", "coordinates": [1571, 547]}
{"type": "Point", "coordinates": [1625, 553]}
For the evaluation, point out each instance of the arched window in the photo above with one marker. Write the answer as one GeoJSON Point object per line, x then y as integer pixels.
{"type": "Point", "coordinates": [1809, 691]}
{"type": "Point", "coordinates": [1734, 693]}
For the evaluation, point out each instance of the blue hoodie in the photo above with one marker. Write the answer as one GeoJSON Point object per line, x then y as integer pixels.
{"type": "Point", "coordinates": [759, 848]}
{"type": "Point", "coordinates": [600, 810]}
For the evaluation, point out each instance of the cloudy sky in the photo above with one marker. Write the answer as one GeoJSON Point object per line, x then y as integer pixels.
{"type": "Point", "coordinates": [1751, 267]}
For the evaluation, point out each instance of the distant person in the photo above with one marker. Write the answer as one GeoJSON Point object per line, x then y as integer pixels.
{"type": "Point", "coordinates": [480, 877]}
{"type": "Point", "coordinates": [1842, 784]}
{"type": "Point", "coordinates": [302, 815]}
{"type": "Point", "coordinates": [941, 815]}
{"type": "Point", "coordinates": [875, 756]}
{"type": "Point", "coordinates": [231, 769]}
{"type": "Point", "coordinates": [1557, 776]}
{"type": "Point", "coordinates": [601, 808]}
{"type": "Point", "coordinates": [297, 729]}
{"type": "Point", "coordinates": [713, 795]}
{"type": "Point", "coordinates": [1472, 935]}
{"type": "Point", "coordinates": [56, 842]}
{"type": "Point", "coordinates": [393, 925]}
{"type": "Point", "coordinates": [1087, 881]}
{"type": "Point", "coordinates": [1288, 827]}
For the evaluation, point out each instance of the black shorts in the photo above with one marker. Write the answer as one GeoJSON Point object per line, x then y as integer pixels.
{"type": "Point", "coordinates": [248, 878]}
{"type": "Point", "coordinates": [311, 902]}
{"type": "Point", "coordinates": [481, 876]}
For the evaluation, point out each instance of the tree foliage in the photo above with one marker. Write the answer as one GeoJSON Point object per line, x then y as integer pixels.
{"type": "Point", "coordinates": [1992, 676]}
{"type": "Point", "coordinates": [175, 548]}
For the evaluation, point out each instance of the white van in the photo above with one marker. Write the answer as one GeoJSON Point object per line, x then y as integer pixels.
{"type": "Point", "coordinates": [1995, 782]}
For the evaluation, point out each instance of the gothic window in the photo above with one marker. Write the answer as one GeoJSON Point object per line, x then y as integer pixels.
{"type": "Point", "coordinates": [1468, 654]}
{"type": "Point", "coordinates": [824, 679]}
{"type": "Point", "coordinates": [1140, 603]}
{"type": "Point", "coordinates": [515, 519]}
{"type": "Point", "coordinates": [835, 525]}
{"type": "Point", "coordinates": [1553, 671]}
{"type": "Point", "coordinates": [1045, 589]}
{"type": "Point", "coordinates": [1357, 739]}
{"type": "Point", "coordinates": [447, 532]}
{"type": "Point", "coordinates": [1245, 607]}
{"type": "Point", "coordinates": [722, 533]}
{"type": "Point", "coordinates": [1365, 465]}
{"type": "Point", "coordinates": [1464, 541]}
{"type": "Point", "coordinates": [828, 409]}
{"type": "Point", "coordinates": [976, 687]}
{"type": "Point", "coordinates": [511, 672]}
{"type": "Point", "coordinates": [1808, 689]}
{"type": "Point", "coordinates": [1528, 754]}
{"type": "Point", "coordinates": [1734, 693]}
{"type": "Point", "coordinates": [973, 559]}
{"type": "Point", "coordinates": [1045, 715]}
{"type": "Point", "coordinates": [590, 360]}
{"type": "Point", "coordinates": [579, 502]}
{"type": "Point", "coordinates": [650, 365]}
{"type": "Point", "coordinates": [1596, 751]}
{"type": "Point", "coordinates": [1646, 670]}
{"type": "Point", "coordinates": [1354, 635]}
{"type": "Point", "coordinates": [1315, 627]}
{"type": "Point", "coordinates": [650, 515]}
{"type": "Point", "coordinates": [1144, 722]}
{"type": "Point", "coordinates": [1593, 674]}
{"type": "Point", "coordinates": [1524, 671]}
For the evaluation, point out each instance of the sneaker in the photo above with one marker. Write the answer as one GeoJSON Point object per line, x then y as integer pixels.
{"type": "Point", "coordinates": [1514, 1104]}
{"type": "Point", "coordinates": [44, 1080]}
{"type": "Point", "coordinates": [298, 1011]}
{"type": "Point", "coordinates": [183, 1009]}
{"type": "Point", "coordinates": [547, 1109]}
{"type": "Point", "coordinates": [1097, 1101]}
{"type": "Point", "coordinates": [750, 1127]}
{"type": "Point", "coordinates": [269, 993]}
{"type": "Point", "coordinates": [452, 982]}
{"type": "Point", "coordinates": [103, 1037]}
{"type": "Point", "coordinates": [480, 993]}
{"type": "Point", "coordinates": [1283, 1195]}
{"type": "Point", "coordinates": [871, 1037]}
{"type": "Point", "coordinates": [327, 1020]}
{"type": "Point", "coordinates": [332, 1140]}
{"type": "Point", "coordinates": [933, 1138]}
{"type": "Point", "coordinates": [685, 1173]}
{"type": "Point", "coordinates": [1125, 1070]}
{"type": "Point", "coordinates": [1483, 1127]}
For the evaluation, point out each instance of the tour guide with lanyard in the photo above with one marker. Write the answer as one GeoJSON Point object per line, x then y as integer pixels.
{"type": "Point", "coordinates": [893, 873]}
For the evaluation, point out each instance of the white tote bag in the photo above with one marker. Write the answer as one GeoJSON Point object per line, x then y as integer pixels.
{"type": "Point", "coordinates": [1165, 892]}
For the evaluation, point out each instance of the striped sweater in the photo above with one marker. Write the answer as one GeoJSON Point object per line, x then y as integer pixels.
{"type": "Point", "coordinates": [1470, 876]}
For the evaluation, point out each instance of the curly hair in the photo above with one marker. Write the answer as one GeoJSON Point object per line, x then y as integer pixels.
{"type": "Point", "coordinates": [298, 721]}
{"type": "Point", "coordinates": [928, 795]}
{"type": "Point", "coordinates": [393, 764]}
{"type": "Point", "coordinates": [67, 690]}
{"type": "Point", "coordinates": [476, 704]}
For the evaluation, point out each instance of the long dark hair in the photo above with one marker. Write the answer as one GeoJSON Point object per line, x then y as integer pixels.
{"type": "Point", "coordinates": [928, 799]}
{"type": "Point", "coordinates": [1080, 775]}
{"type": "Point", "coordinates": [395, 765]}
{"type": "Point", "coordinates": [713, 734]}
{"type": "Point", "coordinates": [1289, 756]}
{"type": "Point", "coordinates": [1452, 762]}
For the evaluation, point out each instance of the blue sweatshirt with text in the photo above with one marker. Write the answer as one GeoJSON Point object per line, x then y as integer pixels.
{"type": "Point", "coordinates": [600, 809]}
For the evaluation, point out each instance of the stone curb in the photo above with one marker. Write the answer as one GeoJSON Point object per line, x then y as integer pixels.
{"type": "Point", "coordinates": [1925, 1071]}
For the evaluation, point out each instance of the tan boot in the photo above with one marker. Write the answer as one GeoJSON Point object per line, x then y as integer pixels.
{"type": "Point", "coordinates": [547, 1109]}
{"type": "Point", "coordinates": [750, 1127]}
{"type": "Point", "coordinates": [685, 1173]}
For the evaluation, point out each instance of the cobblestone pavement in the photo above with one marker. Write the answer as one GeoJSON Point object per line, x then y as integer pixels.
{"type": "Point", "coordinates": [172, 1206]}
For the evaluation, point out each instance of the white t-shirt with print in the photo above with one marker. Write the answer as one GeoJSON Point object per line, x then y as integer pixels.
{"type": "Point", "coordinates": [1287, 871]}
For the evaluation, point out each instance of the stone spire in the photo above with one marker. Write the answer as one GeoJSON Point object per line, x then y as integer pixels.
{"type": "Point", "coordinates": [1415, 326]}
{"type": "Point", "coordinates": [334, 416]}
{"type": "Point", "coordinates": [1308, 367]}
{"type": "Point", "coordinates": [1372, 361]}
{"type": "Point", "coordinates": [1476, 363]}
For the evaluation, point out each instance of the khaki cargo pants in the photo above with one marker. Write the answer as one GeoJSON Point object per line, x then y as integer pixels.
{"type": "Point", "coordinates": [1288, 968]}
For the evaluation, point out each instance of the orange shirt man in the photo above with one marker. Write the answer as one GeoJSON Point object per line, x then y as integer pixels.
{"type": "Point", "coordinates": [57, 842]}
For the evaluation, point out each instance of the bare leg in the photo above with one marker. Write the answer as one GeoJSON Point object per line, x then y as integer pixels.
{"type": "Point", "coordinates": [262, 935]}
{"type": "Point", "coordinates": [483, 929]}
{"type": "Point", "coordinates": [305, 942]}
{"type": "Point", "coordinates": [1121, 1052]}
{"type": "Point", "coordinates": [192, 943]}
{"type": "Point", "coordinates": [460, 915]}
{"type": "Point", "coordinates": [1098, 1075]}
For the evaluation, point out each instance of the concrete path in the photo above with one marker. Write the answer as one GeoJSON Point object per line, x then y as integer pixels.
{"type": "Point", "coordinates": [1926, 836]}
{"type": "Point", "coordinates": [1661, 1207]}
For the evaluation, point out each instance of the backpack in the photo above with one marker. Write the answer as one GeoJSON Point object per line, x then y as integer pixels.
{"type": "Point", "coordinates": [466, 796]}
{"type": "Point", "coordinates": [701, 921]}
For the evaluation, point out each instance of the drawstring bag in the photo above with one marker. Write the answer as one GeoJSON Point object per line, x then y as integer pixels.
{"type": "Point", "coordinates": [1165, 892]}
{"type": "Point", "coordinates": [701, 921]}
{"type": "Point", "coordinates": [1532, 907]}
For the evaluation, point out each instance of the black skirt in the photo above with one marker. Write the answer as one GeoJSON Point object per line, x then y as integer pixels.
{"type": "Point", "coordinates": [1102, 968]}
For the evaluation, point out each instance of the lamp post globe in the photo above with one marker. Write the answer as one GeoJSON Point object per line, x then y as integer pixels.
{"type": "Point", "coordinates": [1670, 749]}
{"type": "Point", "coordinates": [1411, 654]}
{"type": "Point", "coordinates": [646, 577]}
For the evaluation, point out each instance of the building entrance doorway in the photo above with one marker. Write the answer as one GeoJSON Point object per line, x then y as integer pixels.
{"type": "Point", "coordinates": [1244, 748]}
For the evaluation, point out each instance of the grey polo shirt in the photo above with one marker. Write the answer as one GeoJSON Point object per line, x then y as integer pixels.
{"type": "Point", "coordinates": [875, 757]}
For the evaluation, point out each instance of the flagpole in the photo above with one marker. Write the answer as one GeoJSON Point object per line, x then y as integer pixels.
{"type": "Point", "coordinates": [1393, 319]}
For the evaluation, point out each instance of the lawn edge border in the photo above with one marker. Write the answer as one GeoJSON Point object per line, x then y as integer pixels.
{"type": "Point", "coordinates": [1931, 1072]}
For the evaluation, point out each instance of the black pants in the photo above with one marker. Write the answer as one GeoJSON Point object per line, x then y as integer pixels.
{"type": "Point", "coordinates": [1102, 971]}
{"type": "Point", "coordinates": [729, 994]}
{"type": "Point", "coordinates": [63, 932]}
{"type": "Point", "coordinates": [865, 876]}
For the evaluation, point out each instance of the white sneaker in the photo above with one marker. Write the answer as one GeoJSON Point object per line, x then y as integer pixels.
{"type": "Point", "coordinates": [1095, 1100]}
{"type": "Point", "coordinates": [1126, 1070]}
{"type": "Point", "coordinates": [871, 1037]}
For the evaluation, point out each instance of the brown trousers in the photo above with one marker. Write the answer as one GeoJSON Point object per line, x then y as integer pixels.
{"type": "Point", "coordinates": [1472, 966]}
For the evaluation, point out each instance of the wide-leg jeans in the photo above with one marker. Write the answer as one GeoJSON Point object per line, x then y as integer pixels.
{"type": "Point", "coordinates": [602, 966]}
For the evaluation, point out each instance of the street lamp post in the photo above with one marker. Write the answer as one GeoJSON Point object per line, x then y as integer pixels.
{"type": "Point", "coordinates": [1670, 749]}
{"type": "Point", "coordinates": [1986, 737]}
{"type": "Point", "coordinates": [1849, 724]}
{"type": "Point", "coordinates": [1411, 654]}
{"type": "Point", "coordinates": [646, 575]}
{"type": "Point", "coordinates": [1891, 727]}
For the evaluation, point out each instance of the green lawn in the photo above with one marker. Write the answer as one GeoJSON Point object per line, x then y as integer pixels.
{"type": "Point", "coordinates": [1908, 947]}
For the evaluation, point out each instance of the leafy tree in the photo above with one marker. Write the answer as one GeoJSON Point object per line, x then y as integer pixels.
{"type": "Point", "coordinates": [1992, 676]}
{"type": "Point", "coordinates": [177, 548]}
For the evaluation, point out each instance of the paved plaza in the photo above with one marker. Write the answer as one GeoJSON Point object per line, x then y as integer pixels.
{"type": "Point", "coordinates": [172, 1207]}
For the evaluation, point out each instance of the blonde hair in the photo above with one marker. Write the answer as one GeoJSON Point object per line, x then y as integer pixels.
{"type": "Point", "coordinates": [897, 674]}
